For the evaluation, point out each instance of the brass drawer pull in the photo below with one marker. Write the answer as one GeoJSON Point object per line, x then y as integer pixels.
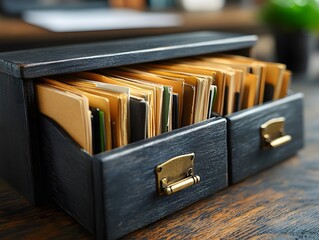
{"type": "Point", "coordinates": [273, 133]}
{"type": "Point", "coordinates": [180, 185]}
{"type": "Point", "coordinates": [280, 141]}
{"type": "Point", "coordinates": [176, 174]}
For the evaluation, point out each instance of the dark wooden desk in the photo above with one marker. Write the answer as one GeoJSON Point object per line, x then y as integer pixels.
{"type": "Point", "coordinates": [16, 34]}
{"type": "Point", "coordinates": [282, 202]}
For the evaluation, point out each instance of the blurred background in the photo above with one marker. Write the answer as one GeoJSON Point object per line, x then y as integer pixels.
{"type": "Point", "coordinates": [287, 29]}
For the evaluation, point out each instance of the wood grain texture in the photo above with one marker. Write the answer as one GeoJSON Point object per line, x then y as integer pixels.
{"type": "Point", "coordinates": [128, 181]}
{"type": "Point", "coordinates": [20, 220]}
{"type": "Point", "coordinates": [15, 157]}
{"type": "Point", "coordinates": [279, 203]}
{"type": "Point", "coordinates": [75, 58]}
{"type": "Point", "coordinates": [68, 173]}
{"type": "Point", "coordinates": [246, 156]}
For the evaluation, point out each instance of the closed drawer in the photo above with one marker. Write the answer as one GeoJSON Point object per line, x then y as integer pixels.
{"type": "Point", "coordinates": [115, 192]}
{"type": "Point", "coordinates": [246, 149]}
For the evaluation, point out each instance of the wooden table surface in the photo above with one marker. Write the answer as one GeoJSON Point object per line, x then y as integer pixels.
{"type": "Point", "coordinates": [279, 203]}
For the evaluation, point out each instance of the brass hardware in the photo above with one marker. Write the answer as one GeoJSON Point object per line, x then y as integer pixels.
{"type": "Point", "coordinates": [176, 174]}
{"type": "Point", "coordinates": [273, 133]}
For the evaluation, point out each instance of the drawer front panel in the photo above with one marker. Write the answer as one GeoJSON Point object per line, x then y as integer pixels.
{"type": "Point", "coordinates": [247, 155]}
{"type": "Point", "coordinates": [126, 178]}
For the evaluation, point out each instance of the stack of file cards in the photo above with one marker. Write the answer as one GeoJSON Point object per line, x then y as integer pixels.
{"type": "Point", "coordinates": [110, 108]}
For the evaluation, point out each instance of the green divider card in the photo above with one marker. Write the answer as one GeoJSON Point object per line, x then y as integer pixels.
{"type": "Point", "coordinates": [102, 131]}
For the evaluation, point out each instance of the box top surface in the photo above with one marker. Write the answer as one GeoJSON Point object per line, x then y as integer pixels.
{"type": "Point", "coordinates": [82, 57]}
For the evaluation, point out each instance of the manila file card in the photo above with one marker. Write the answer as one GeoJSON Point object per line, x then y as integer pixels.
{"type": "Point", "coordinates": [69, 110]}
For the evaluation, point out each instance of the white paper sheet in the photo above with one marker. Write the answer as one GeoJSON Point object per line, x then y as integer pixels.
{"type": "Point", "coordinates": [99, 19]}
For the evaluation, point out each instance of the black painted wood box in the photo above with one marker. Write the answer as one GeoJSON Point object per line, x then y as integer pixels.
{"type": "Point", "coordinates": [115, 192]}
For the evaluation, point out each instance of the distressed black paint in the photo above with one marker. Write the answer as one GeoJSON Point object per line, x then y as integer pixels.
{"type": "Point", "coordinates": [246, 156]}
{"type": "Point", "coordinates": [15, 146]}
{"type": "Point", "coordinates": [83, 57]}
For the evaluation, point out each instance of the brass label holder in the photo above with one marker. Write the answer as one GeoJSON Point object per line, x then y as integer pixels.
{"type": "Point", "coordinates": [273, 133]}
{"type": "Point", "coordinates": [176, 174]}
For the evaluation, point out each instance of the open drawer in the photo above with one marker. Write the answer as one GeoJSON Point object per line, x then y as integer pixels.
{"type": "Point", "coordinates": [116, 192]}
